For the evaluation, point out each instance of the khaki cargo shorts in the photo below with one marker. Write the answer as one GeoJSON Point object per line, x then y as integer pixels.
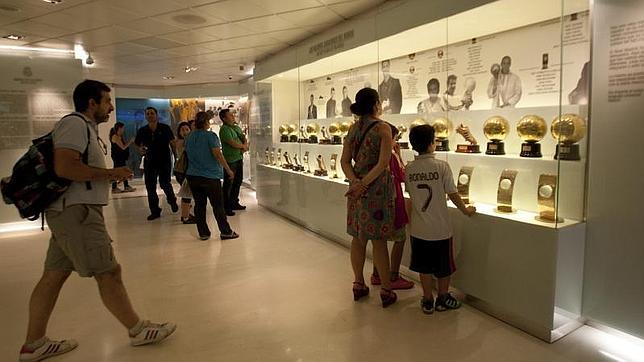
{"type": "Point", "coordinates": [79, 241]}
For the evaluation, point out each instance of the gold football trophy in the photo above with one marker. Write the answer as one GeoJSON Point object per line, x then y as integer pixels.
{"type": "Point", "coordinates": [312, 129]}
{"type": "Point", "coordinates": [464, 181]}
{"type": "Point", "coordinates": [442, 129]}
{"type": "Point", "coordinates": [496, 128]}
{"type": "Point", "coordinates": [417, 122]}
{"type": "Point", "coordinates": [531, 130]}
{"type": "Point", "coordinates": [547, 199]}
{"type": "Point", "coordinates": [284, 133]}
{"type": "Point", "coordinates": [336, 133]}
{"type": "Point", "coordinates": [305, 159]}
{"type": "Point", "coordinates": [506, 188]}
{"type": "Point", "coordinates": [292, 131]}
{"type": "Point", "coordinates": [402, 129]}
{"type": "Point", "coordinates": [333, 166]}
{"type": "Point", "coordinates": [344, 128]}
{"type": "Point", "coordinates": [473, 146]}
{"type": "Point", "coordinates": [321, 171]}
{"type": "Point", "coordinates": [567, 130]}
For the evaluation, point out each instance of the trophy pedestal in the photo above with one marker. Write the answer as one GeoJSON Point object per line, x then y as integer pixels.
{"type": "Point", "coordinates": [320, 173]}
{"type": "Point", "coordinates": [548, 217]}
{"type": "Point", "coordinates": [303, 140]}
{"type": "Point", "coordinates": [292, 138]}
{"type": "Point", "coordinates": [504, 209]}
{"type": "Point", "coordinates": [468, 149]}
{"type": "Point", "coordinates": [403, 145]}
{"type": "Point", "coordinates": [284, 138]}
{"type": "Point", "coordinates": [568, 152]}
{"type": "Point", "coordinates": [495, 148]}
{"type": "Point", "coordinates": [325, 141]}
{"type": "Point", "coordinates": [337, 140]}
{"type": "Point", "coordinates": [531, 149]}
{"type": "Point", "coordinates": [442, 145]}
{"type": "Point", "coordinates": [313, 139]}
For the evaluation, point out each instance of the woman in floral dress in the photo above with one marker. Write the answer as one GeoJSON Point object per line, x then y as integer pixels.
{"type": "Point", "coordinates": [371, 196]}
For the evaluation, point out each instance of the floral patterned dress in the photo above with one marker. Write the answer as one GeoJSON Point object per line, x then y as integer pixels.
{"type": "Point", "coordinates": [370, 217]}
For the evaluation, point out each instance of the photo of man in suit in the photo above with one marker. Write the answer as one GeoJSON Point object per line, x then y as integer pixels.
{"type": "Point", "coordinates": [389, 90]}
{"type": "Point", "coordinates": [346, 102]}
{"type": "Point", "coordinates": [505, 87]}
{"type": "Point", "coordinates": [312, 112]}
{"type": "Point", "coordinates": [330, 105]}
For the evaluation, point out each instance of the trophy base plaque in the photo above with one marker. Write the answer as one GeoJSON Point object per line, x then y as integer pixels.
{"type": "Point", "coordinates": [468, 149]}
{"type": "Point", "coordinates": [531, 149]}
{"type": "Point", "coordinates": [495, 148]}
{"type": "Point", "coordinates": [549, 218]}
{"type": "Point", "coordinates": [504, 209]}
{"type": "Point", "coordinates": [337, 140]}
{"type": "Point", "coordinates": [284, 138]}
{"type": "Point", "coordinates": [403, 145]}
{"type": "Point", "coordinates": [313, 139]}
{"type": "Point", "coordinates": [293, 138]}
{"type": "Point", "coordinates": [325, 141]}
{"type": "Point", "coordinates": [320, 173]}
{"type": "Point", "coordinates": [442, 145]}
{"type": "Point", "coordinates": [567, 152]}
{"type": "Point", "coordinates": [303, 140]}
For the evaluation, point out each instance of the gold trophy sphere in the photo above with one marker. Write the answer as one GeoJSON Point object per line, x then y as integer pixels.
{"type": "Point", "coordinates": [442, 127]}
{"type": "Point", "coordinates": [568, 128]}
{"type": "Point", "coordinates": [496, 128]}
{"type": "Point", "coordinates": [292, 128]}
{"type": "Point", "coordinates": [417, 122]}
{"type": "Point", "coordinates": [401, 128]}
{"type": "Point", "coordinates": [334, 129]}
{"type": "Point", "coordinates": [284, 130]}
{"type": "Point", "coordinates": [344, 127]}
{"type": "Point", "coordinates": [313, 128]}
{"type": "Point", "coordinates": [532, 128]}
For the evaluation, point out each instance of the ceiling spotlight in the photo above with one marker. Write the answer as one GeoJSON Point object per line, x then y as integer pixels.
{"type": "Point", "coordinates": [168, 77]}
{"type": "Point", "coordinates": [14, 37]}
{"type": "Point", "coordinates": [89, 60]}
{"type": "Point", "coordinates": [189, 69]}
{"type": "Point", "coordinates": [55, 2]}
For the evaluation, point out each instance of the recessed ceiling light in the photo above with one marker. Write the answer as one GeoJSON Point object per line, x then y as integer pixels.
{"type": "Point", "coordinates": [14, 36]}
{"type": "Point", "coordinates": [55, 2]}
{"type": "Point", "coordinates": [168, 77]}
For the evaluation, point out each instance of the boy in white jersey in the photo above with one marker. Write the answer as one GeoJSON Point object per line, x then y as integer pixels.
{"type": "Point", "coordinates": [428, 180]}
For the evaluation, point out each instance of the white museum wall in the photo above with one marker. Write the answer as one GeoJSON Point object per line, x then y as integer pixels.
{"type": "Point", "coordinates": [614, 273]}
{"type": "Point", "coordinates": [35, 93]}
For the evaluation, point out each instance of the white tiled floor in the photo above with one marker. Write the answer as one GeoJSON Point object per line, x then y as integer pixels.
{"type": "Point", "coordinates": [279, 293]}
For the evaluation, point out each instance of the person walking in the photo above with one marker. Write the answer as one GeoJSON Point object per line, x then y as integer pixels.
{"type": "Point", "coordinates": [234, 144]}
{"type": "Point", "coordinates": [183, 130]}
{"type": "Point", "coordinates": [155, 141]}
{"type": "Point", "coordinates": [79, 239]}
{"type": "Point", "coordinates": [206, 165]}
{"type": "Point", "coordinates": [370, 206]}
{"type": "Point", "coordinates": [120, 152]}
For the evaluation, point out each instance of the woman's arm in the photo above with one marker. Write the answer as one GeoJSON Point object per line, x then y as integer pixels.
{"type": "Point", "coordinates": [116, 139]}
{"type": "Point", "coordinates": [384, 131]}
{"type": "Point", "coordinates": [216, 152]}
{"type": "Point", "coordinates": [345, 160]}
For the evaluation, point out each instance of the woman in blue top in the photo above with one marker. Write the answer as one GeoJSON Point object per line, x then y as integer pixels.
{"type": "Point", "coordinates": [206, 165]}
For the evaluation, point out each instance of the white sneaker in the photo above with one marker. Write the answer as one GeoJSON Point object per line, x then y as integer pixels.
{"type": "Point", "coordinates": [48, 349]}
{"type": "Point", "coordinates": [152, 333]}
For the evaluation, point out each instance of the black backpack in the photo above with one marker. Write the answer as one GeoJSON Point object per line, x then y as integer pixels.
{"type": "Point", "coordinates": [33, 184]}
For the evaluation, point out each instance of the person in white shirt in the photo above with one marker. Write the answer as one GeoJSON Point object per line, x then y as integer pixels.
{"type": "Point", "coordinates": [451, 101]}
{"type": "Point", "coordinates": [505, 87]}
{"type": "Point", "coordinates": [428, 181]}
{"type": "Point", "coordinates": [434, 102]}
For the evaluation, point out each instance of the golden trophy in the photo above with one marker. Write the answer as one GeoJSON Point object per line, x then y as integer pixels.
{"type": "Point", "coordinates": [473, 146]}
{"type": "Point", "coordinates": [324, 140]}
{"type": "Point", "coordinates": [279, 157]}
{"type": "Point", "coordinates": [344, 128]}
{"type": "Point", "coordinates": [312, 129]}
{"type": "Point", "coordinates": [321, 171]}
{"type": "Point", "coordinates": [333, 166]}
{"type": "Point", "coordinates": [292, 131]}
{"type": "Point", "coordinates": [531, 130]}
{"type": "Point", "coordinates": [287, 161]}
{"type": "Point", "coordinates": [417, 122]}
{"type": "Point", "coordinates": [284, 133]}
{"type": "Point", "coordinates": [297, 166]}
{"type": "Point", "coordinates": [464, 181]}
{"type": "Point", "coordinates": [442, 129]}
{"type": "Point", "coordinates": [504, 193]}
{"type": "Point", "coordinates": [496, 128]}
{"type": "Point", "coordinates": [547, 199]}
{"type": "Point", "coordinates": [336, 133]}
{"type": "Point", "coordinates": [568, 129]}
{"type": "Point", "coordinates": [402, 129]}
{"type": "Point", "coordinates": [305, 159]}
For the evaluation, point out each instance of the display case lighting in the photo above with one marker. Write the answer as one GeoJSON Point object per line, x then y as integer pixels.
{"type": "Point", "coordinates": [168, 77]}
{"type": "Point", "coordinates": [36, 49]}
{"type": "Point", "coordinates": [54, 2]}
{"type": "Point", "coordinates": [14, 36]}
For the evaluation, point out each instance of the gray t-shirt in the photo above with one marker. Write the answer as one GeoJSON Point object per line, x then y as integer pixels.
{"type": "Point", "coordinates": [71, 133]}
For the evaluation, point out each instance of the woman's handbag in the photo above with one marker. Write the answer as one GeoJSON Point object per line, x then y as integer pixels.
{"type": "Point", "coordinates": [181, 166]}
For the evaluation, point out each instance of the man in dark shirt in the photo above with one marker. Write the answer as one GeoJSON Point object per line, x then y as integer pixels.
{"type": "Point", "coordinates": [346, 102]}
{"type": "Point", "coordinates": [330, 105]}
{"type": "Point", "coordinates": [312, 110]}
{"type": "Point", "coordinates": [389, 90]}
{"type": "Point", "coordinates": [155, 141]}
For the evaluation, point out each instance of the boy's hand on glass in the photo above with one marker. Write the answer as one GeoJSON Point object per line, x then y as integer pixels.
{"type": "Point", "coordinates": [470, 210]}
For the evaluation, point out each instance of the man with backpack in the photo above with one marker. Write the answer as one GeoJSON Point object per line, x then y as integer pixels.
{"type": "Point", "coordinates": [79, 239]}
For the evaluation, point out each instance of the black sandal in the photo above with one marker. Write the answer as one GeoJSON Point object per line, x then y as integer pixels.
{"type": "Point", "coordinates": [360, 292]}
{"type": "Point", "coordinates": [388, 297]}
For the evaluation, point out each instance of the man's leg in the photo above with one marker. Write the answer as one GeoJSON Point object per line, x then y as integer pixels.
{"type": "Point", "coordinates": [238, 167]}
{"type": "Point", "coordinates": [42, 302]}
{"type": "Point", "coordinates": [115, 298]}
{"type": "Point", "coordinates": [216, 201]}
{"type": "Point", "coordinates": [166, 184]}
{"type": "Point", "coordinates": [151, 173]}
{"type": "Point", "coordinates": [200, 195]}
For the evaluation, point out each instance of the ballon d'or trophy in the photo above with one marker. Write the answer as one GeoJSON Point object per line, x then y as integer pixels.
{"type": "Point", "coordinates": [292, 131]}
{"type": "Point", "coordinates": [506, 188]}
{"type": "Point", "coordinates": [417, 122]}
{"type": "Point", "coordinates": [547, 199]}
{"type": "Point", "coordinates": [442, 129]}
{"type": "Point", "coordinates": [531, 130]}
{"type": "Point", "coordinates": [567, 130]}
{"type": "Point", "coordinates": [496, 128]}
{"type": "Point", "coordinates": [473, 146]}
{"type": "Point", "coordinates": [312, 129]}
{"type": "Point", "coordinates": [464, 181]}
{"type": "Point", "coordinates": [336, 133]}
{"type": "Point", "coordinates": [344, 128]}
{"type": "Point", "coordinates": [284, 133]}
{"type": "Point", "coordinates": [402, 129]}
